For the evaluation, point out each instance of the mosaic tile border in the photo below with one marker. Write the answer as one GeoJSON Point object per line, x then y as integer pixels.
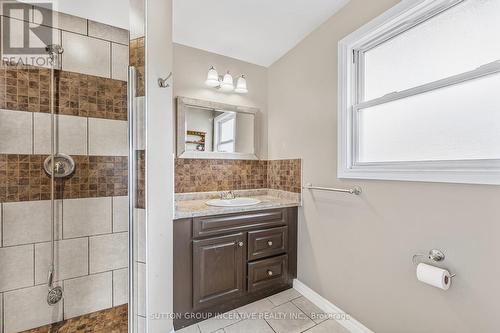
{"type": "Point", "coordinates": [27, 88]}
{"type": "Point", "coordinates": [113, 320]}
{"type": "Point", "coordinates": [22, 178]}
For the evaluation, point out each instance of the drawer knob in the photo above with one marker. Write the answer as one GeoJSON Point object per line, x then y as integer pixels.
{"type": "Point", "coordinates": [270, 243]}
{"type": "Point", "coordinates": [240, 244]}
{"type": "Point", "coordinates": [270, 273]}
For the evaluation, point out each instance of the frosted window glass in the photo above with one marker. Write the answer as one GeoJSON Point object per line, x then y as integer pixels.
{"type": "Point", "coordinates": [453, 123]}
{"type": "Point", "coordinates": [456, 41]}
{"type": "Point", "coordinates": [227, 130]}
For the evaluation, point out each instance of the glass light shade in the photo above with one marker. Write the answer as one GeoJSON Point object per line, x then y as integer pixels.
{"type": "Point", "coordinates": [227, 83]}
{"type": "Point", "coordinates": [212, 78]}
{"type": "Point", "coordinates": [241, 85]}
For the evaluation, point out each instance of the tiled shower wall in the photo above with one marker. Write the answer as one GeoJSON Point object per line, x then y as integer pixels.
{"type": "Point", "coordinates": [204, 175]}
{"type": "Point", "coordinates": [92, 213]}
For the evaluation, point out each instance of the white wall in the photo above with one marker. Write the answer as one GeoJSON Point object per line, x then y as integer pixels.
{"type": "Point", "coordinates": [356, 251]}
{"type": "Point", "coordinates": [190, 72]}
{"type": "Point", "coordinates": [159, 168]}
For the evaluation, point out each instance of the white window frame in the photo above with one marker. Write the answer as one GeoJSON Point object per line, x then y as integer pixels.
{"type": "Point", "coordinates": [218, 121]}
{"type": "Point", "coordinates": [398, 19]}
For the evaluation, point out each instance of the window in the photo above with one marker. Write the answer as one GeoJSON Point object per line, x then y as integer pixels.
{"type": "Point", "coordinates": [225, 132]}
{"type": "Point", "coordinates": [419, 94]}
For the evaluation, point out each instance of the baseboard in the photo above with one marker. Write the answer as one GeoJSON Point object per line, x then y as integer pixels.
{"type": "Point", "coordinates": [349, 323]}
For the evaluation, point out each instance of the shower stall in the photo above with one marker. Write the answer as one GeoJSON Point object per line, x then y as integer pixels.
{"type": "Point", "coordinates": [72, 167]}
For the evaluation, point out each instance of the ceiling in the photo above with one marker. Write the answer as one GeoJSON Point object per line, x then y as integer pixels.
{"type": "Point", "coordinates": [256, 31]}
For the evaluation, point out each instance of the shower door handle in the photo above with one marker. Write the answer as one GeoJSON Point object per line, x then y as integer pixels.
{"type": "Point", "coordinates": [132, 169]}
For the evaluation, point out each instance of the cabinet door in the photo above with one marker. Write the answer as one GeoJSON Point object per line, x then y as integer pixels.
{"type": "Point", "coordinates": [218, 269]}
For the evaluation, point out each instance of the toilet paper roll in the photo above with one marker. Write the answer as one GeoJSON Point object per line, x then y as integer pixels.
{"type": "Point", "coordinates": [435, 276]}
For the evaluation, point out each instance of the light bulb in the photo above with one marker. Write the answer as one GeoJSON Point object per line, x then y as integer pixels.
{"type": "Point", "coordinates": [241, 85]}
{"type": "Point", "coordinates": [212, 78]}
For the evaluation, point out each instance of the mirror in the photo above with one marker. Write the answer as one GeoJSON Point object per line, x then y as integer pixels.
{"type": "Point", "coordinates": [215, 130]}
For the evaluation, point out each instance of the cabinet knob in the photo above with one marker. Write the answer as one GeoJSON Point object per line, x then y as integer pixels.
{"type": "Point", "coordinates": [270, 243]}
{"type": "Point", "coordinates": [270, 273]}
{"type": "Point", "coordinates": [240, 244]}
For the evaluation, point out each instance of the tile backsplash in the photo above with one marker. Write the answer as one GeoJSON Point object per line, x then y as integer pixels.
{"type": "Point", "coordinates": [204, 175]}
{"type": "Point", "coordinates": [284, 175]}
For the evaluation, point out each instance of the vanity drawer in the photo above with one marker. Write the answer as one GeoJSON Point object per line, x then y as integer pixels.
{"type": "Point", "coordinates": [267, 273]}
{"type": "Point", "coordinates": [214, 225]}
{"type": "Point", "coordinates": [267, 243]}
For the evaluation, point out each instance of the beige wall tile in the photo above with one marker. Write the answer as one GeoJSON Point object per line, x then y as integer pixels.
{"type": "Point", "coordinates": [28, 308]}
{"type": "Point", "coordinates": [16, 39]}
{"type": "Point", "coordinates": [120, 214]}
{"type": "Point", "coordinates": [108, 137]}
{"type": "Point", "coordinates": [16, 268]}
{"type": "Point", "coordinates": [71, 134]}
{"type": "Point", "coordinates": [30, 222]}
{"type": "Point", "coordinates": [107, 32]}
{"type": "Point", "coordinates": [87, 294]}
{"type": "Point", "coordinates": [61, 20]}
{"type": "Point", "coordinates": [119, 61]}
{"type": "Point", "coordinates": [15, 13]}
{"type": "Point", "coordinates": [86, 55]}
{"type": "Point", "coordinates": [71, 258]}
{"type": "Point", "coordinates": [120, 287]}
{"type": "Point", "coordinates": [86, 217]}
{"type": "Point", "coordinates": [15, 132]}
{"type": "Point", "coordinates": [108, 252]}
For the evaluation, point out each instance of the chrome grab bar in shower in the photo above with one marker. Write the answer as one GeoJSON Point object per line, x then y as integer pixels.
{"type": "Point", "coordinates": [132, 168]}
{"type": "Point", "coordinates": [355, 190]}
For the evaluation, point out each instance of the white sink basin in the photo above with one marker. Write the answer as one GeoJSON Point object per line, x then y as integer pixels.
{"type": "Point", "coordinates": [237, 202]}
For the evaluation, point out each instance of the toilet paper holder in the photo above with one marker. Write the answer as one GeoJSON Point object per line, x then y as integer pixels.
{"type": "Point", "coordinates": [434, 255]}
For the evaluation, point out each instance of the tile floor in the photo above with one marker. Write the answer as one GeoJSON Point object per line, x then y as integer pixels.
{"type": "Point", "coordinates": [286, 312]}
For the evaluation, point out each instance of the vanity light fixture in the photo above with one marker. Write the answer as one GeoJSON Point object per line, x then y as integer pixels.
{"type": "Point", "coordinates": [226, 83]}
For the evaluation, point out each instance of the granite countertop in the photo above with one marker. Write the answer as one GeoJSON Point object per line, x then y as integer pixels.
{"type": "Point", "coordinates": [189, 205]}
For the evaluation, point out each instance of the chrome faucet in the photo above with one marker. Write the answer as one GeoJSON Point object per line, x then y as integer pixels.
{"type": "Point", "coordinates": [227, 195]}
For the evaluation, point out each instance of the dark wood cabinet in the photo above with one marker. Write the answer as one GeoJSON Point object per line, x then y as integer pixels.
{"type": "Point", "coordinates": [218, 267]}
{"type": "Point", "coordinates": [225, 261]}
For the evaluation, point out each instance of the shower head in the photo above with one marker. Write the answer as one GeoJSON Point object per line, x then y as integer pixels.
{"type": "Point", "coordinates": [54, 49]}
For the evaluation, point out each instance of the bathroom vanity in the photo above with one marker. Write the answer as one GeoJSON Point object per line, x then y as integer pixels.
{"type": "Point", "coordinates": [237, 243]}
{"type": "Point", "coordinates": [224, 261]}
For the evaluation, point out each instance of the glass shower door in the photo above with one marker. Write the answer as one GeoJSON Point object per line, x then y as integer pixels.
{"type": "Point", "coordinates": [64, 166]}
